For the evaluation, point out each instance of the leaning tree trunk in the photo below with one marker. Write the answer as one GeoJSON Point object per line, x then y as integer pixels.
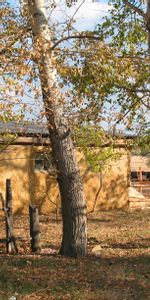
{"type": "Point", "coordinates": [74, 239]}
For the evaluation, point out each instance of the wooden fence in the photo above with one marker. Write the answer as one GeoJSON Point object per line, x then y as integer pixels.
{"type": "Point", "coordinates": [7, 208]}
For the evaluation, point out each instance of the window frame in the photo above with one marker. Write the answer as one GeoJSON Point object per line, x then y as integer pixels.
{"type": "Point", "coordinates": [47, 163]}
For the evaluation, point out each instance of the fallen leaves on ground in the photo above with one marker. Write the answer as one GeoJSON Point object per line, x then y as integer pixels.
{"type": "Point", "coordinates": [119, 272]}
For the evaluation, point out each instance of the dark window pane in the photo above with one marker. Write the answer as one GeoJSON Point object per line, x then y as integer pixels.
{"type": "Point", "coordinates": [134, 175]}
{"type": "Point", "coordinates": [39, 164]}
{"type": "Point", "coordinates": [146, 176]}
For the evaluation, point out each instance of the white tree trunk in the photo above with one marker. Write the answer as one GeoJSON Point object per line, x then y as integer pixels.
{"type": "Point", "coordinates": [74, 239]}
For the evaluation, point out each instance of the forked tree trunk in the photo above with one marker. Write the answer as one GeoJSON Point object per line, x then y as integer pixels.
{"type": "Point", "coordinates": [74, 241]}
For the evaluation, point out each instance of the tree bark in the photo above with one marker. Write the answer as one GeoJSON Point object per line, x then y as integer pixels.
{"type": "Point", "coordinates": [74, 241]}
{"type": "Point", "coordinates": [148, 23]}
{"type": "Point", "coordinates": [34, 228]}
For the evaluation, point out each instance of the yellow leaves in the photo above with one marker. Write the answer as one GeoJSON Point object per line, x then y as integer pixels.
{"type": "Point", "coordinates": [23, 70]}
{"type": "Point", "coordinates": [10, 81]}
{"type": "Point", "coordinates": [28, 82]}
{"type": "Point", "coordinates": [64, 70]}
{"type": "Point", "coordinates": [16, 91]}
{"type": "Point", "coordinates": [43, 113]}
{"type": "Point", "coordinates": [4, 12]}
{"type": "Point", "coordinates": [22, 92]}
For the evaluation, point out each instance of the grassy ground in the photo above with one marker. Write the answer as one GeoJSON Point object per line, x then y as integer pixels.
{"type": "Point", "coordinates": [120, 271]}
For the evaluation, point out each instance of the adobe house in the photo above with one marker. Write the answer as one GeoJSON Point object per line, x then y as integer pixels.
{"type": "Point", "coordinates": [24, 159]}
{"type": "Point", "coordinates": [139, 193]}
{"type": "Point", "coordinates": [140, 174]}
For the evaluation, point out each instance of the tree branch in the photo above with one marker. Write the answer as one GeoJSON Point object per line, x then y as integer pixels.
{"type": "Point", "coordinates": [97, 194]}
{"type": "Point", "coordinates": [132, 89]}
{"type": "Point", "coordinates": [75, 13]}
{"type": "Point", "coordinates": [128, 110]}
{"type": "Point", "coordinates": [136, 9]}
{"type": "Point", "coordinates": [80, 36]}
{"type": "Point", "coordinates": [17, 37]}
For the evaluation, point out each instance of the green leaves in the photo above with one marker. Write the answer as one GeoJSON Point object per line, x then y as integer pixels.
{"type": "Point", "coordinates": [123, 28]}
{"type": "Point", "coordinates": [97, 147]}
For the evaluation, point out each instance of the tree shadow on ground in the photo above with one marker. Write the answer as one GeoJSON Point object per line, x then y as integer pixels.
{"type": "Point", "coordinates": [100, 220]}
{"type": "Point", "coordinates": [130, 245]}
{"type": "Point", "coordinates": [55, 277]}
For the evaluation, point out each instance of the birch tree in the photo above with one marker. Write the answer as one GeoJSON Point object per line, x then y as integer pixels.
{"type": "Point", "coordinates": [100, 71]}
{"type": "Point", "coordinates": [26, 51]}
{"type": "Point", "coordinates": [73, 203]}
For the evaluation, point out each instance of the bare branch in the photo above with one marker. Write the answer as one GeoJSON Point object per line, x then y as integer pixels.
{"type": "Point", "coordinates": [97, 194]}
{"type": "Point", "coordinates": [88, 169]}
{"type": "Point", "coordinates": [75, 13]}
{"type": "Point", "coordinates": [79, 36]}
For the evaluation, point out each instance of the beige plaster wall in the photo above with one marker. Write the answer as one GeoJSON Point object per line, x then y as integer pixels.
{"type": "Point", "coordinates": [115, 181]}
{"type": "Point", "coordinates": [140, 163]}
{"type": "Point", "coordinates": [29, 185]}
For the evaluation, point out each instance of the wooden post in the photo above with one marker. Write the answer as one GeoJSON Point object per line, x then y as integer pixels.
{"type": "Point", "coordinates": [9, 219]}
{"type": "Point", "coordinates": [140, 178]}
{"type": "Point", "coordinates": [34, 227]}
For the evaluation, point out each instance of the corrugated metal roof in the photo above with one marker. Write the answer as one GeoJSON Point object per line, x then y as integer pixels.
{"type": "Point", "coordinates": [33, 129]}
{"type": "Point", "coordinates": [24, 129]}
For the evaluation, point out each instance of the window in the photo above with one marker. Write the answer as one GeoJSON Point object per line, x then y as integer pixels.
{"type": "Point", "coordinates": [39, 164]}
{"type": "Point", "coordinates": [146, 176]}
{"type": "Point", "coordinates": [44, 162]}
{"type": "Point", "coordinates": [134, 176]}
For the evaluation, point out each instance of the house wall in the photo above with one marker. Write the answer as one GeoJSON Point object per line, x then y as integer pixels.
{"type": "Point", "coordinates": [38, 187]}
{"type": "Point", "coordinates": [115, 183]}
{"type": "Point", "coordinates": [140, 163]}
{"type": "Point", "coordinates": [141, 167]}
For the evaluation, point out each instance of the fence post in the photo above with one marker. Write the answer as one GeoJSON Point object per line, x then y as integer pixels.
{"type": "Point", "coordinates": [9, 219]}
{"type": "Point", "coordinates": [34, 227]}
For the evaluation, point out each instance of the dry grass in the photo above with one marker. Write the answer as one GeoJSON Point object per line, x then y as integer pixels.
{"type": "Point", "coordinates": [121, 271]}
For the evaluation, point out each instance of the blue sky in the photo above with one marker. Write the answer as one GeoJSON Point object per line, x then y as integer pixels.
{"type": "Point", "coordinates": [87, 16]}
